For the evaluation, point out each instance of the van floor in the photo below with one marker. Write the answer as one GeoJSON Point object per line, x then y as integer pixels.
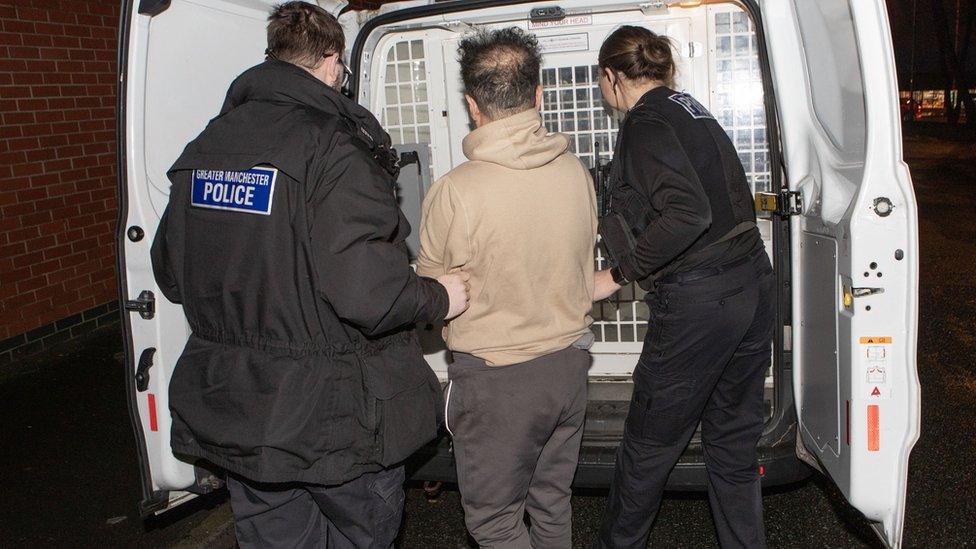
{"type": "Point", "coordinates": [68, 464]}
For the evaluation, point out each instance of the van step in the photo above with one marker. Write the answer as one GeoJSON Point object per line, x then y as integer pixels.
{"type": "Point", "coordinates": [606, 411]}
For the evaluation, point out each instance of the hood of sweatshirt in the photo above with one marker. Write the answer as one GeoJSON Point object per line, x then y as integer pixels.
{"type": "Point", "coordinates": [519, 142]}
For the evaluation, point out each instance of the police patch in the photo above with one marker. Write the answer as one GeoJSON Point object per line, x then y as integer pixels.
{"type": "Point", "coordinates": [249, 191]}
{"type": "Point", "coordinates": [690, 104]}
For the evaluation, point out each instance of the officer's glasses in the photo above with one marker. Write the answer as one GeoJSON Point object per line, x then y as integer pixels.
{"type": "Point", "coordinates": [346, 73]}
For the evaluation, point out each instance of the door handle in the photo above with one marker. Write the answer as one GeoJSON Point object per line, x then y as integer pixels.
{"type": "Point", "coordinates": [861, 292]}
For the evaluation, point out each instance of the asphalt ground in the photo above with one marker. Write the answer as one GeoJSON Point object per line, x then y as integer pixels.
{"type": "Point", "coordinates": [68, 474]}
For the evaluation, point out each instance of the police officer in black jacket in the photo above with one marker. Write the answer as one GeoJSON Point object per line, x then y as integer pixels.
{"type": "Point", "coordinates": [680, 223]}
{"type": "Point", "coordinates": [303, 377]}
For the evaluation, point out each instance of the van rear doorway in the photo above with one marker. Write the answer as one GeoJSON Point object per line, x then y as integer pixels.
{"type": "Point", "coordinates": [408, 76]}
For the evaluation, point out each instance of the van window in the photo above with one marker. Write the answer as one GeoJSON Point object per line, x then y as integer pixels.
{"type": "Point", "coordinates": [737, 91]}
{"type": "Point", "coordinates": [572, 104]}
{"type": "Point", "coordinates": [406, 112]}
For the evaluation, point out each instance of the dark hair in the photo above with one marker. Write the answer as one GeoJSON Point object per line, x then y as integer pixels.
{"type": "Point", "coordinates": [303, 33]}
{"type": "Point", "coordinates": [500, 70]}
{"type": "Point", "coordinates": [639, 54]}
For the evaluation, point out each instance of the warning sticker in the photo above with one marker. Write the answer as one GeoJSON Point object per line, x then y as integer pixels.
{"type": "Point", "coordinates": [875, 340]}
{"type": "Point", "coordinates": [555, 43]}
{"type": "Point", "coordinates": [878, 392]}
{"type": "Point", "coordinates": [568, 21]}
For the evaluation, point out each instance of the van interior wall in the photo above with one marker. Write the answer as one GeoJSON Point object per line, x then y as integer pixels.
{"type": "Point", "coordinates": [57, 172]}
{"type": "Point", "coordinates": [415, 90]}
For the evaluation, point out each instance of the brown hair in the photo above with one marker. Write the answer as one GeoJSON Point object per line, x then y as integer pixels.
{"type": "Point", "coordinates": [303, 33]}
{"type": "Point", "coordinates": [639, 54]}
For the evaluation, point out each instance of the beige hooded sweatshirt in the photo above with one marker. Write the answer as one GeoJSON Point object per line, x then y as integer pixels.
{"type": "Point", "coordinates": [520, 217]}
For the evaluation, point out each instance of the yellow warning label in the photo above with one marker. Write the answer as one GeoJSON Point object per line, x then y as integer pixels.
{"type": "Point", "coordinates": [875, 340]}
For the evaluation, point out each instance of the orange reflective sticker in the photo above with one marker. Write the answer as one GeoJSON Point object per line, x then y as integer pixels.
{"type": "Point", "coordinates": [874, 435]}
{"type": "Point", "coordinates": [875, 340]}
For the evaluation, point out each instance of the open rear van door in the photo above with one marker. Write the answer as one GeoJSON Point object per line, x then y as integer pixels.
{"type": "Point", "coordinates": [176, 61]}
{"type": "Point", "coordinates": [855, 249]}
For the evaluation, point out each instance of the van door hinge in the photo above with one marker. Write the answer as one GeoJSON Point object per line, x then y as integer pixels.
{"type": "Point", "coordinates": [783, 204]}
{"type": "Point", "coordinates": [145, 304]}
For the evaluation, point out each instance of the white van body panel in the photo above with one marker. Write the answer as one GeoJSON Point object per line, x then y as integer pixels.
{"type": "Point", "coordinates": [855, 371]}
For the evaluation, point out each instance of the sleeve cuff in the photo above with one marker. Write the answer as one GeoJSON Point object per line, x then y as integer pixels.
{"type": "Point", "coordinates": [440, 303]}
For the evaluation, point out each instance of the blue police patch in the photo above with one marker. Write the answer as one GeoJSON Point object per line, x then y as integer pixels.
{"type": "Point", "coordinates": [690, 104]}
{"type": "Point", "coordinates": [249, 191]}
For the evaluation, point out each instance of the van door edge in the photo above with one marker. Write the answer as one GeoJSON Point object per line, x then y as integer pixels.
{"type": "Point", "coordinates": [152, 500]}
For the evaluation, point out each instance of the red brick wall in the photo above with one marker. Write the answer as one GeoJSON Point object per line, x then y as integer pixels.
{"type": "Point", "coordinates": [57, 159]}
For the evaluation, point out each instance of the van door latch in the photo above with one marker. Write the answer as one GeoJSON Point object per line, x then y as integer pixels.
{"type": "Point", "coordinates": [142, 370]}
{"type": "Point", "coordinates": [783, 204]}
{"type": "Point", "coordinates": [862, 292]}
{"type": "Point", "coordinates": [145, 304]}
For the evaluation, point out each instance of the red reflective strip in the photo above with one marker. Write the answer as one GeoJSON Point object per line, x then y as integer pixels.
{"type": "Point", "coordinates": [762, 471]}
{"type": "Point", "coordinates": [153, 426]}
{"type": "Point", "coordinates": [874, 435]}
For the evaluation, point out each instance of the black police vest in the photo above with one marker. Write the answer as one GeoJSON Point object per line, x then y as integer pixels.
{"type": "Point", "coordinates": [715, 161]}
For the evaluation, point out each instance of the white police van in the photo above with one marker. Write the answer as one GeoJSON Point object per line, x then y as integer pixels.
{"type": "Point", "coordinates": [806, 89]}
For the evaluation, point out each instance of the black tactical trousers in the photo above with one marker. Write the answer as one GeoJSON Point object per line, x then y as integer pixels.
{"type": "Point", "coordinates": [705, 358]}
{"type": "Point", "coordinates": [363, 513]}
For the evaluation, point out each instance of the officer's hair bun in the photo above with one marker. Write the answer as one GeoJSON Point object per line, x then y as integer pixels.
{"type": "Point", "coordinates": [639, 54]}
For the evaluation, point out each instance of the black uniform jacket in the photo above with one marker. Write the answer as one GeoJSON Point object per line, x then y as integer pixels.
{"type": "Point", "coordinates": [679, 199]}
{"type": "Point", "coordinates": [302, 364]}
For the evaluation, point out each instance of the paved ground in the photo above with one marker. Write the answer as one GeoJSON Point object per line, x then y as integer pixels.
{"type": "Point", "coordinates": [68, 474]}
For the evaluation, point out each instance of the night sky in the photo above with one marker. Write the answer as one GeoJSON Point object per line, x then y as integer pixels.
{"type": "Point", "coordinates": [928, 66]}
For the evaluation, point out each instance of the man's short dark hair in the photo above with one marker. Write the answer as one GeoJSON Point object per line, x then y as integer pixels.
{"type": "Point", "coordinates": [500, 70]}
{"type": "Point", "coordinates": [303, 33]}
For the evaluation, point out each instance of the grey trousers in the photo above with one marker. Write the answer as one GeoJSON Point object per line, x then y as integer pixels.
{"type": "Point", "coordinates": [362, 513]}
{"type": "Point", "coordinates": [517, 432]}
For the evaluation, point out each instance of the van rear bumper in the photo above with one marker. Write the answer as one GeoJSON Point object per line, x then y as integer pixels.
{"type": "Point", "coordinates": [779, 466]}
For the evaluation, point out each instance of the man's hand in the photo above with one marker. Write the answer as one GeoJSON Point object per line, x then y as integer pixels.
{"type": "Point", "coordinates": [457, 292]}
{"type": "Point", "coordinates": [604, 286]}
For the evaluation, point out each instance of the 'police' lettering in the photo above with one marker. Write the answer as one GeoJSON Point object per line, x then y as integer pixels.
{"type": "Point", "coordinates": [690, 104]}
{"type": "Point", "coordinates": [250, 191]}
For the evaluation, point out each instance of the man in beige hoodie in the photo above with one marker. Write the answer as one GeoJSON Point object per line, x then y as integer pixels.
{"type": "Point", "coordinates": [520, 218]}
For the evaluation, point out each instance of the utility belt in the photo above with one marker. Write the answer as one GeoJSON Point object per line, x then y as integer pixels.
{"type": "Point", "coordinates": [698, 274]}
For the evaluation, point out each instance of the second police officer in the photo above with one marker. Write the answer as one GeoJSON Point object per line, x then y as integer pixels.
{"type": "Point", "coordinates": [681, 224]}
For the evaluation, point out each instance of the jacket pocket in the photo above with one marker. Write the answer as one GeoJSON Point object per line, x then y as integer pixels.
{"type": "Point", "coordinates": [617, 236]}
{"type": "Point", "coordinates": [662, 407]}
{"type": "Point", "coordinates": [403, 395]}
